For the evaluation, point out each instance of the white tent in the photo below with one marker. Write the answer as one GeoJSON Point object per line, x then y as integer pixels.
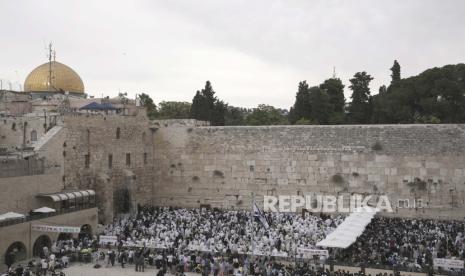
{"type": "Point", "coordinates": [44, 210]}
{"type": "Point", "coordinates": [10, 215]}
{"type": "Point", "coordinates": [349, 230]}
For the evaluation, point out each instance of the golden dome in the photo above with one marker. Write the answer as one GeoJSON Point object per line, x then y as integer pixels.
{"type": "Point", "coordinates": [63, 79]}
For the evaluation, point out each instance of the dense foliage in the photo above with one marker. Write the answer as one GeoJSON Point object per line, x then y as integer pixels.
{"type": "Point", "coordinates": [435, 96]}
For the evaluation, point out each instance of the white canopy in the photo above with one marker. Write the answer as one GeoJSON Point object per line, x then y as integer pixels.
{"type": "Point", "coordinates": [10, 215]}
{"type": "Point", "coordinates": [349, 230]}
{"type": "Point", "coordinates": [44, 210]}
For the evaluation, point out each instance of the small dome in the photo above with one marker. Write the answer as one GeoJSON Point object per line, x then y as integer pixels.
{"type": "Point", "coordinates": [63, 79]}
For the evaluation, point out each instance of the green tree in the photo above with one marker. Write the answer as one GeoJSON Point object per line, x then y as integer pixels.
{"type": "Point", "coordinates": [173, 110]}
{"type": "Point", "coordinates": [436, 95]}
{"type": "Point", "coordinates": [235, 116]}
{"type": "Point", "coordinates": [266, 115]}
{"type": "Point", "coordinates": [218, 113]}
{"type": "Point", "coordinates": [395, 69]}
{"type": "Point", "coordinates": [198, 108]}
{"type": "Point", "coordinates": [207, 107]}
{"type": "Point", "coordinates": [301, 107]}
{"type": "Point", "coordinates": [304, 121]}
{"type": "Point", "coordinates": [359, 108]}
{"type": "Point", "coordinates": [320, 106]}
{"type": "Point", "coordinates": [335, 91]}
{"type": "Point", "coordinates": [148, 103]}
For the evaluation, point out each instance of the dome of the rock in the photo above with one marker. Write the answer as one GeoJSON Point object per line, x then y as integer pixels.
{"type": "Point", "coordinates": [63, 79]}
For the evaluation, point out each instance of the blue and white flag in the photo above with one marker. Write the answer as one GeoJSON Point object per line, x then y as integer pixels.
{"type": "Point", "coordinates": [259, 214]}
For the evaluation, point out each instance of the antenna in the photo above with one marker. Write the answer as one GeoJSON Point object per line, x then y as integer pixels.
{"type": "Point", "coordinates": [51, 54]}
{"type": "Point", "coordinates": [334, 72]}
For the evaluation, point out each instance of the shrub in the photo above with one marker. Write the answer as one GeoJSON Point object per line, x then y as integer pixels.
{"type": "Point", "coordinates": [218, 173]}
{"type": "Point", "coordinates": [377, 146]}
{"type": "Point", "coordinates": [418, 184]}
{"type": "Point", "coordinates": [195, 178]}
{"type": "Point", "coordinates": [337, 178]}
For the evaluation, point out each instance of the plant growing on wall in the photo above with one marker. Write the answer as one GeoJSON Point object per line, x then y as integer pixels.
{"type": "Point", "coordinates": [218, 173]}
{"type": "Point", "coordinates": [337, 179]}
{"type": "Point", "coordinates": [195, 178]}
{"type": "Point", "coordinates": [417, 184]}
{"type": "Point", "coordinates": [377, 146]}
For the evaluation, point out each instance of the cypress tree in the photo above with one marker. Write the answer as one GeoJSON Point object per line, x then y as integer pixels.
{"type": "Point", "coordinates": [395, 69]}
{"type": "Point", "coordinates": [359, 109]}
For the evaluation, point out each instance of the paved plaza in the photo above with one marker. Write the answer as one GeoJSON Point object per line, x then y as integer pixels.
{"type": "Point", "coordinates": [80, 269]}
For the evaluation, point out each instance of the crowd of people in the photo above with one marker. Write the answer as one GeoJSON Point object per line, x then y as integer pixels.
{"type": "Point", "coordinates": [409, 244]}
{"type": "Point", "coordinates": [222, 231]}
{"type": "Point", "coordinates": [225, 242]}
{"type": "Point", "coordinates": [52, 260]}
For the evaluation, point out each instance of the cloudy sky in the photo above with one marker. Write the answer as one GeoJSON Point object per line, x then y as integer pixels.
{"type": "Point", "coordinates": [253, 51]}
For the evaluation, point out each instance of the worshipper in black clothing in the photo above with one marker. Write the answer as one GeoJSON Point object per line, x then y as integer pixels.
{"type": "Point", "coordinates": [19, 270]}
{"type": "Point", "coordinates": [122, 258]}
{"type": "Point", "coordinates": [10, 259]}
{"type": "Point", "coordinates": [112, 257]}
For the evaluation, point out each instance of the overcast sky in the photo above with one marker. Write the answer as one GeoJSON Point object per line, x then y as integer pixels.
{"type": "Point", "coordinates": [252, 51]}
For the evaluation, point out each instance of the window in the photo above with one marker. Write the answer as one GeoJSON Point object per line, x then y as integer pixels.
{"type": "Point", "coordinates": [251, 168]}
{"type": "Point", "coordinates": [33, 136]}
{"type": "Point", "coordinates": [118, 132]}
{"type": "Point", "coordinates": [128, 159]}
{"type": "Point", "coordinates": [419, 203]}
{"type": "Point", "coordinates": [145, 158]}
{"type": "Point", "coordinates": [87, 161]}
{"type": "Point", "coordinates": [110, 161]}
{"type": "Point", "coordinates": [403, 203]}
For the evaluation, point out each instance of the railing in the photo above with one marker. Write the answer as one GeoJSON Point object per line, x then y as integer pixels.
{"type": "Point", "coordinates": [37, 216]}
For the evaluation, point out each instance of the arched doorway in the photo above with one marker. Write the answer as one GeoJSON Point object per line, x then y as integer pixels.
{"type": "Point", "coordinates": [64, 236]}
{"type": "Point", "coordinates": [42, 247]}
{"type": "Point", "coordinates": [122, 201]}
{"type": "Point", "coordinates": [86, 231]}
{"type": "Point", "coordinates": [16, 252]}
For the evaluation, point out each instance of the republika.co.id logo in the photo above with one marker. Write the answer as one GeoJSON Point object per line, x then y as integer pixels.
{"type": "Point", "coordinates": [325, 203]}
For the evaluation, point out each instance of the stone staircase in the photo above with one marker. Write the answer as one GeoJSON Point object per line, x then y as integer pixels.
{"type": "Point", "coordinates": [44, 139]}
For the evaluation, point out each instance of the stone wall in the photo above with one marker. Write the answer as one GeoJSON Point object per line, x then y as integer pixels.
{"type": "Point", "coordinates": [91, 140]}
{"type": "Point", "coordinates": [221, 166]}
{"type": "Point", "coordinates": [13, 167]}
{"type": "Point", "coordinates": [17, 131]}
{"type": "Point", "coordinates": [18, 194]}
{"type": "Point", "coordinates": [22, 232]}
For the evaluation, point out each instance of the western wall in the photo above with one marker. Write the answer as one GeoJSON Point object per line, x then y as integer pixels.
{"type": "Point", "coordinates": [221, 166]}
{"type": "Point", "coordinates": [188, 163]}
